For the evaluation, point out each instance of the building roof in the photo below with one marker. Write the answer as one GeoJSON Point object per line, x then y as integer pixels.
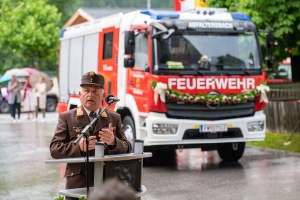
{"type": "Point", "coordinates": [89, 14]}
{"type": "Point", "coordinates": [97, 13]}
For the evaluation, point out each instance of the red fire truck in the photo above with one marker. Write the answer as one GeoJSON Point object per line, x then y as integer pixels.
{"type": "Point", "coordinates": [188, 79]}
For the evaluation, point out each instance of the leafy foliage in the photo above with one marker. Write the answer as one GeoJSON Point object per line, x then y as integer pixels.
{"type": "Point", "coordinates": [281, 17]}
{"type": "Point", "coordinates": [30, 29]}
{"type": "Point", "coordinates": [66, 8]}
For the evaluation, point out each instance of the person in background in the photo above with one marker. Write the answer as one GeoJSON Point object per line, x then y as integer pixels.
{"type": "Point", "coordinates": [40, 93]}
{"type": "Point", "coordinates": [28, 98]}
{"type": "Point", "coordinates": [112, 189]}
{"type": "Point", "coordinates": [108, 129]}
{"type": "Point", "coordinates": [14, 100]}
{"type": "Point", "coordinates": [7, 93]}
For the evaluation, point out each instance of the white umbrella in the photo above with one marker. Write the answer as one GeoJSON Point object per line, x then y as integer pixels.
{"type": "Point", "coordinates": [17, 72]}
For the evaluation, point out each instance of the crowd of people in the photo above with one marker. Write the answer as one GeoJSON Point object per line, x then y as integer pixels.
{"type": "Point", "coordinates": [33, 98]}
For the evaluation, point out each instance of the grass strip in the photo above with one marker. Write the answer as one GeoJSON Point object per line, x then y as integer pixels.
{"type": "Point", "coordinates": [278, 141]}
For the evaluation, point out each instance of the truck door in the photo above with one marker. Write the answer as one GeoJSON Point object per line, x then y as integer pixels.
{"type": "Point", "coordinates": [108, 58]}
{"type": "Point", "coordinates": [138, 77]}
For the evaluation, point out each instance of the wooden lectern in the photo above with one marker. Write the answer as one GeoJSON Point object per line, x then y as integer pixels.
{"type": "Point", "coordinates": [125, 167]}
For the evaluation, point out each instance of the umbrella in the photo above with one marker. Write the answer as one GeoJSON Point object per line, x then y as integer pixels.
{"type": "Point", "coordinates": [17, 72]}
{"type": "Point", "coordinates": [5, 78]}
{"type": "Point", "coordinates": [34, 79]}
{"type": "Point", "coordinates": [29, 70]}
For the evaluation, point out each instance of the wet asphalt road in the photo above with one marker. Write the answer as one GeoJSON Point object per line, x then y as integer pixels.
{"type": "Point", "coordinates": [187, 175]}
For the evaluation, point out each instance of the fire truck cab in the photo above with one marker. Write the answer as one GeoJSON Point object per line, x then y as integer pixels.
{"type": "Point", "coordinates": [184, 79]}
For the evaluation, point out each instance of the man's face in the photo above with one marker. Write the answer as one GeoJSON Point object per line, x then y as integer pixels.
{"type": "Point", "coordinates": [91, 97]}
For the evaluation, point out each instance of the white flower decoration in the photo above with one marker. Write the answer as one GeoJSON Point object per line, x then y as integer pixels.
{"type": "Point", "coordinates": [160, 90]}
{"type": "Point", "coordinates": [263, 89]}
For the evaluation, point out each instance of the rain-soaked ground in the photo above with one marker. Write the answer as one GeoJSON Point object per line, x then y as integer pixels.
{"type": "Point", "coordinates": [190, 174]}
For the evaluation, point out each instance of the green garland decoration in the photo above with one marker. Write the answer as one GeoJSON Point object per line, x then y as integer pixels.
{"type": "Point", "coordinates": [210, 99]}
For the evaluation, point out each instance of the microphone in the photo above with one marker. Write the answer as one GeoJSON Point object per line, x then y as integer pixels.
{"type": "Point", "coordinates": [110, 98]}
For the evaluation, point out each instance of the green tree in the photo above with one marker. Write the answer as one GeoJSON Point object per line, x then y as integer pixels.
{"type": "Point", "coordinates": [30, 28]}
{"type": "Point", "coordinates": [281, 17]}
{"type": "Point", "coordinates": [65, 8]}
{"type": "Point", "coordinates": [9, 58]}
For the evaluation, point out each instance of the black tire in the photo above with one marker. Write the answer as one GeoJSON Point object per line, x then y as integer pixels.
{"type": "Point", "coordinates": [51, 104]}
{"type": "Point", "coordinates": [4, 107]}
{"type": "Point", "coordinates": [231, 151]}
{"type": "Point", "coordinates": [129, 130]}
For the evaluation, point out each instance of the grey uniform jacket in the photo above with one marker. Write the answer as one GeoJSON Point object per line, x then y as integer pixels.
{"type": "Point", "coordinates": [14, 95]}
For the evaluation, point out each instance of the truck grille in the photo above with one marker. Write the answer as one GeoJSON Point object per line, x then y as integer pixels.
{"type": "Point", "coordinates": [202, 112]}
{"type": "Point", "coordinates": [191, 134]}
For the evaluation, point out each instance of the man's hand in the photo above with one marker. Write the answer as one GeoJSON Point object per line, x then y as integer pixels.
{"type": "Point", "coordinates": [107, 135]}
{"type": "Point", "coordinates": [92, 143]}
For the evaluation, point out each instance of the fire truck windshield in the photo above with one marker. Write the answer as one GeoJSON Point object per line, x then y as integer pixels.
{"type": "Point", "coordinates": [208, 52]}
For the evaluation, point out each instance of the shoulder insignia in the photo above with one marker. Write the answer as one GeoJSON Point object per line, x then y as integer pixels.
{"type": "Point", "coordinates": [79, 112]}
{"type": "Point", "coordinates": [103, 114]}
{"type": "Point", "coordinates": [124, 145]}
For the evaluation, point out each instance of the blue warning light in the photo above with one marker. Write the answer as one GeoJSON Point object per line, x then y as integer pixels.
{"type": "Point", "coordinates": [154, 14]}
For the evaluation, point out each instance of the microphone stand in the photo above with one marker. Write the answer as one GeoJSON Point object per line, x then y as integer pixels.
{"type": "Point", "coordinates": [85, 133]}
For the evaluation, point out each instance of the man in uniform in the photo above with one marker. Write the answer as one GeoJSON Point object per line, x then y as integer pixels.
{"type": "Point", "coordinates": [107, 128]}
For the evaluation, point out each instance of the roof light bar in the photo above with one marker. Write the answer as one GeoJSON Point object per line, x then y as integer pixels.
{"type": "Point", "coordinates": [160, 14]}
{"type": "Point", "coordinates": [241, 16]}
{"type": "Point", "coordinates": [61, 34]}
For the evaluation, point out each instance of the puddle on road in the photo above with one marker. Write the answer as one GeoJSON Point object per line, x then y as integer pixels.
{"type": "Point", "coordinates": [197, 160]}
{"type": "Point", "coordinates": [187, 159]}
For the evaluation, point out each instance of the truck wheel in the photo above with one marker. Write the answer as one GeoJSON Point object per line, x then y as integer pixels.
{"type": "Point", "coordinates": [4, 107]}
{"type": "Point", "coordinates": [231, 151]}
{"type": "Point", "coordinates": [51, 104]}
{"type": "Point", "coordinates": [129, 130]}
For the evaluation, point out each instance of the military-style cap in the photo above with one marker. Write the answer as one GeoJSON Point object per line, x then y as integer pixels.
{"type": "Point", "coordinates": [91, 78]}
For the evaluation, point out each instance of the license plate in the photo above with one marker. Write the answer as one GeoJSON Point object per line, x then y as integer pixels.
{"type": "Point", "coordinates": [213, 128]}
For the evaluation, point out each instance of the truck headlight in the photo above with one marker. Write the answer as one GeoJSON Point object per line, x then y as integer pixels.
{"type": "Point", "coordinates": [255, 126]}
{"type": "Point", "coordinates": [164, 128]}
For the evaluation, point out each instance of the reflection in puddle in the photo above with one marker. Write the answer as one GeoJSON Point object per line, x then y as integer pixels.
{"type": "Point", "coordinates": [195, 159]}
{"type": "Point", "coordinates": [186, 159]}
{"type": "Point", "coordinates": [189, 160]}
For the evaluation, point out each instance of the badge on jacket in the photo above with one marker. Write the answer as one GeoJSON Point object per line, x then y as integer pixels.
{"type": "Point", "coordinates": [77, 128]}
{"type": "Point", "coordinates": [79, 112]}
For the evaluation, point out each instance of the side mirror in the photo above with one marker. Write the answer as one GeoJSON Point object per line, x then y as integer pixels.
{"type": "Point", "coordinates": [129, 42]}
{"type": "Point", "coordinates": [129, 62]}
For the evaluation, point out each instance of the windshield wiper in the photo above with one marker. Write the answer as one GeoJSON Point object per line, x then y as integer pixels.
{"type": "Point", "coordinates": [200, 72]}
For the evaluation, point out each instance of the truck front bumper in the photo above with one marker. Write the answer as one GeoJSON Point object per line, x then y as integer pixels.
{"type": "Point", "coordinates": [179, 138]}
